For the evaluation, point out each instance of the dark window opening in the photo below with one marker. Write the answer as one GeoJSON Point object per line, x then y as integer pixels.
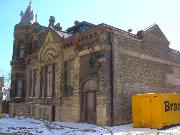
{"type": "Point", "coordinates": [68, 78]}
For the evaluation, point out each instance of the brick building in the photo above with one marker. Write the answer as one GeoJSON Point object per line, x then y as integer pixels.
{"type": "Point", "coordinates": [87, 73]}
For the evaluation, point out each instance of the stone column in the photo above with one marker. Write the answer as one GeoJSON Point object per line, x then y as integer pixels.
{"type": "Point", "coordinates": [76, 76]}
{"type": "Point", "coordinates": [103, 93]}
{"type": "Point", "coordinates": [76, 93]}
{"type": "Point", "coordinates": [37, 88]}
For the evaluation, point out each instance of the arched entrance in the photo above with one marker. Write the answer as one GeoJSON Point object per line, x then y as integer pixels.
{"type": "Point", "coordinates": [88, 102]}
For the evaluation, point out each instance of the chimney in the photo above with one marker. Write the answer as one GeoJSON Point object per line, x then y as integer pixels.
{"type": "Point", "coordinates": [58, 27]}
{"type": "Point", "coordinates": [129, 30]}
{"type": "Point", "coordinates": [140, 34]}
{"type": "Point", "coordinates": [51, 21]}
{"type": "Point", "coordinates": [76, 23]}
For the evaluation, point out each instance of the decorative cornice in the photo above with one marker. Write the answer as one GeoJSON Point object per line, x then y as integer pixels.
{"type": "Point", "coordinates": [117, 30]}
{"type": "Point", "coordinates": [93, 34]}
{"type": "Point", "coordinates": [84, 37]}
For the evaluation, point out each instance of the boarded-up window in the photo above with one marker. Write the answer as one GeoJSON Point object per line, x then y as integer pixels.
{"type": "Point", "coordinates": [19, 86]}
{"type": "Point", "coordinates": [33, 111]}
{"type": "Point", "coordinates": [47, 80]}
{"type": "Point", "coordinates": [68, 77]}
{"type": "Point", "coordinates": [56, 91]}
{"type": "Point", "coordinates": [40, 111]}
{"type": "Point", "coordinates": [44, 114]}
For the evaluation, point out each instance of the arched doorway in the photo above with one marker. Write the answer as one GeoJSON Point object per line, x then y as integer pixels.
{"type": "Point", "coordinates": [88, 102]}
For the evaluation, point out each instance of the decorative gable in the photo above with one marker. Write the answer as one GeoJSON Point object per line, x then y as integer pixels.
{"type": "Point", "coordinates": [48, 53]}
{"type": "Point", "coordinates": [52, 36]}
{"type": "Point", "coordinates": [49, 38]}
{"type": "Point", "coordinates": [156, 32]}
{"type": "Point", "coordinates": [49, 49]}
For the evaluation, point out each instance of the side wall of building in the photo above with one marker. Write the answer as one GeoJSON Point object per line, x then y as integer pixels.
{"type": "Point", "coordinates": [140, 66]}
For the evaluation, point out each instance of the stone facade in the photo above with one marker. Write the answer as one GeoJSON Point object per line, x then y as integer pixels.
{"type": "Point", "coordinates": [87, 73]}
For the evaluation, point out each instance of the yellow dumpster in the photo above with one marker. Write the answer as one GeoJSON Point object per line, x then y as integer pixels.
{"type": "Point", "coordinates": [155, 110]}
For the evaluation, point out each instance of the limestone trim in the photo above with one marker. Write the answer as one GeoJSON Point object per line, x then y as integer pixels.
{"type": "Point", "coordinates": [147, 57]}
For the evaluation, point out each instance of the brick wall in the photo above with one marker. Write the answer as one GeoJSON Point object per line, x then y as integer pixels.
{"type": "Point", "coordinates": [138, 68]}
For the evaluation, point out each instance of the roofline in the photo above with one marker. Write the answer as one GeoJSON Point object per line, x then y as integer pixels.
{"type": "Point", "coordinates": [80, 36]}
{"type": "Point", "coordinates": [70, 28]}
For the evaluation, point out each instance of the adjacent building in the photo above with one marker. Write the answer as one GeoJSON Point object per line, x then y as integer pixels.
{"type": "Point", "coordinates": [1, 83]}
{"type": "Point", "coordinates": [89, 72]}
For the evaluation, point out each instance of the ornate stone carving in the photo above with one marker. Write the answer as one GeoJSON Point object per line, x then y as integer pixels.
{"type": "Point", "coordinates": [59, 82]}
{"type": "Point", "coordinates": [48, 53]}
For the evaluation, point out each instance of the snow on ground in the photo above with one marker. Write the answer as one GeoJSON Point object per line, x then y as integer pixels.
{"type": "Point", "coordinates": [29, 126]}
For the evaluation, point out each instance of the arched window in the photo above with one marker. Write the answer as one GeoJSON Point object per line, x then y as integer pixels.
{"type": "Point", "coordinates": [47, 81]}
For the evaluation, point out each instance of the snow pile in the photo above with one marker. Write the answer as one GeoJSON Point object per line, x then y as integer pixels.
{"type": "Point", "coordinates": [24, 125]}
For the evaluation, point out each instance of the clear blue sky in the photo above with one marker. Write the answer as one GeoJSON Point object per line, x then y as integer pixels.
{"type": "Point", "coordinates": [124, 14]}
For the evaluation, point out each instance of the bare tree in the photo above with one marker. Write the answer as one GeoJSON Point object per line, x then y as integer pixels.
{"type": "Point", "coordinates": [8, 78]}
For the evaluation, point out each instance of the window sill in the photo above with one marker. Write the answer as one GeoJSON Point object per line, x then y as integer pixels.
{"type": "Point", "coordinates": [33, 97]}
